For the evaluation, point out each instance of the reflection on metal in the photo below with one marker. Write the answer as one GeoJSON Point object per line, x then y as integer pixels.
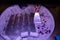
{"type": "Point", "coordinates": [34, 34]}
{"type": "Point", "coordinates": [24, 34]}
{"type": "Point", "coordinates": [37, 18]}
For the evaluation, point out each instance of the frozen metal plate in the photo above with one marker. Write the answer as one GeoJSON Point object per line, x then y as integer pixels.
{"type": "Point", "coordinates": [18, 24]}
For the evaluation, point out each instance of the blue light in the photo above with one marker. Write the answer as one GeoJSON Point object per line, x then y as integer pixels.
{"type": "Point", "coordinates": [58, 37]}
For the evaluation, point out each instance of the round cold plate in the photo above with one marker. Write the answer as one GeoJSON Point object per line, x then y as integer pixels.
{"type": "Point", "coordinates": [26, 24]}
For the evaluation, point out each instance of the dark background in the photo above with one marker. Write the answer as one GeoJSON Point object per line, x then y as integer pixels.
{"type": "Point", "coordinates": [53, 6]}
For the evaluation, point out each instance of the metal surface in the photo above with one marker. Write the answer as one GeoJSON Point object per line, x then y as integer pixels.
{"type": "Point", "coordinates": [17, 22]}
